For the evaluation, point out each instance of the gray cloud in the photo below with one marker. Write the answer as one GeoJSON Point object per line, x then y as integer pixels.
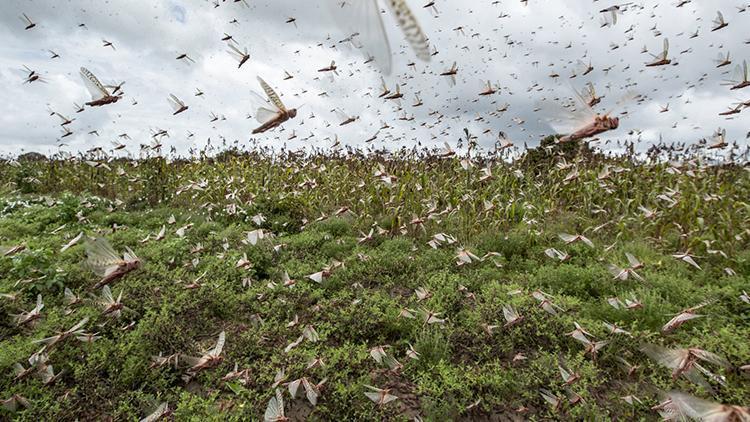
{"type": "Point", "coordinates": [515, 46]}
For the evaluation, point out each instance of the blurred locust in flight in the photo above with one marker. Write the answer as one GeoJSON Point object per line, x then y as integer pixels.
{"type": "Point", "coordinates": [364, 18]}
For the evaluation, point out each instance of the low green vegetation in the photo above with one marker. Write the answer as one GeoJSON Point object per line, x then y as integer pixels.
{"type": "Point", "coordinates": [203, 276]}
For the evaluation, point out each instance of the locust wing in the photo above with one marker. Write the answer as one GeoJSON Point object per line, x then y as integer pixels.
{"type": "Point", "coordinates": [236, 52]}
{"type": "Point", "coordinates": [156, 414]}
{"type": "Point", "coordinates": [175, 102]}
{"type": "Point", "coordinates": [265, 111]}
{"type": "Point", "coordinates": [665, 53]}
{"type": "Point", "coordinates": [666, 357]}
{"type": "Point", "coordinates": [107, 295]}
{"type": "Point", "coordinates": [216, 351]}
{"type": "Point", "coordinates": [271, 94]}
{"type": "Point", "coordinates": [411, 29]}
{"type": "Point", "coordinates": [101, 257]}
{"type": "Point", "coordinates": [568, 119]}
{"type": "Point", "coordinates": [364, 17]}
{"type": "Point", "coordinates": [96, 89]}
{"type": "Point", "coordinates": [275, 408]}
{"type": "Point", "coordinates": [697, 408]}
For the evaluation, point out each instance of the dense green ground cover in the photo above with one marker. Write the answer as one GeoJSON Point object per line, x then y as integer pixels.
{"type": "Point", "coordinates": [510, 219]}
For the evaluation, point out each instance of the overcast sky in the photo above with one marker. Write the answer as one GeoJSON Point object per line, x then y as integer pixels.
{"type": "Point", "coordinates": [517, 47]}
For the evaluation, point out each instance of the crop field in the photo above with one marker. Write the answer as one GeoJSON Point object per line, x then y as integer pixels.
{"type": "Point", "coordinates": [384, 287]}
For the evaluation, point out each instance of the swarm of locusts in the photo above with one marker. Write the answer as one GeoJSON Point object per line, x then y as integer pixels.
{"type": "Point", "coordinates": [658, 327]}
{"type": "Point", "coordinates": [586, 279]}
